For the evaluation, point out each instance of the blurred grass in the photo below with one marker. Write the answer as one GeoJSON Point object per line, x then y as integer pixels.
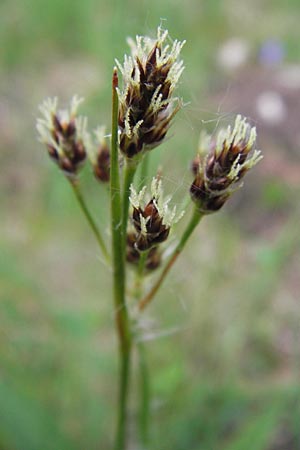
{"type": "Point", "coordinates": [228, 374]}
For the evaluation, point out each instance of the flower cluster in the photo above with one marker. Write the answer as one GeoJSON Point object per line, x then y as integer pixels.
{"type": "Point", "coordinates": [142, 113]}
{"type": "Point", "coordinates": [221, 163]}
{"type": "Point", "coordinates": [64, 134]}
{"type": "Point", "coordinates": [153, 219]}
{"type": "Point", "coordinates": [147, 105]}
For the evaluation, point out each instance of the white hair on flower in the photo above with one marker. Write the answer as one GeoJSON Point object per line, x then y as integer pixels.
{"type": "Point", "coordinates": [143, 45]}
{"type": "Point", "coordinates": [241, 132]}
{"type": "Point", "coordinates": [136, 199]}
{"type": "Point", "coordinates": [75, 102]}
{"type": "Point", "coordinates": [168, 216]}
{"type": "Point", "coordinates": [131, 72]}
{"type": "Point", "coordinates": [241, 135]}
{"type": "Point", "coordinates": [45, 124]}
{"type": "Point", "coordinates": [143, 223]}
{"type": "Point", "coordinates": [81, 127]}
{"type": "Point", "coordinates": [49, 109]}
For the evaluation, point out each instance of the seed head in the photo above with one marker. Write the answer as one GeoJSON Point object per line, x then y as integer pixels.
{"type": "Point", "coordinates": [153, 219]}
{"type": "Point", "coordinates": [99, 155]}
{"type": "Point", "coordinates": [64, 134]}
{"type": "Point", "coordinates": [147, 105]}
{"type": "Point", "coordinates": [222, 163]}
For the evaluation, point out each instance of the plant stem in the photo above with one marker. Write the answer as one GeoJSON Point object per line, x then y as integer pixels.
{"type": "Point", "coordinates": [144, 396]}
{"type": "Point", "coordinates": [139, 276]}
{"type": "Point", "coordinates": [195, 219]}
{"type": "Point", "coordinates": [130, 169]}
{"type": "Point", "coordinates": [144, 170]}
{"type": "Point", "coordinates": [121, 435]}
{"type": "Point", "coordinates": [118, 252]}
{"type": "Point", "coordinates": [142, 364]}
{"type": "Point", "coordinates": [142, 262]}
{"type": "Point", "coordinates": [96, 231]}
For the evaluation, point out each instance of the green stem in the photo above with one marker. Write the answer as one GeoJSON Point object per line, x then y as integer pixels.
{"type": "Point", "coordinates": [144, 396]}
{"type": "Point", "coordinates": [144, 170]}
{"type": "Point", "coordinates": [118, 252]}
{"type": "Point", "coordinates": [90, 219]}
{"type": "Point", "coordinates": [142, 262]}
{"type": "Point", "coordinates": [130, 169]}
{"type": "Point", "coordinates": [121, 435]}
{"type": "Point", "coordinates": [195, 219]}
{"type": "Point", "coordinates": [140, 274]}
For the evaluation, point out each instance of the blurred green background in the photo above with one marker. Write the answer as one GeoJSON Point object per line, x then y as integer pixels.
{"type": "Point", "coordinates": [223, 334]}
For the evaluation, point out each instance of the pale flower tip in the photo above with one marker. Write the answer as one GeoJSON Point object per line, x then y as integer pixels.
{"type": "Point", "coordinates": [204, 143]}
{"type": "Point", "coordinates": [152, 217]}
{"type": "Point", "coordinates": [74, 105]}
{"type": "Point", "coordinates": [99, 133]}
{"type": "Point", "coordinates": [64, 134]}
{"type": "Point", "coordinates": [150, 75]}
{"type": "Point", "coordinates": [219, 170]}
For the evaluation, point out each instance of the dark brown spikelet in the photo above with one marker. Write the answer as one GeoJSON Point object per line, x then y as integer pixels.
{"type": "Point", "coordinates": [151, 219]}
{"type": "Point", "coordinates": [219, 169]}
{"type": "Point", "coordinates": [146, 103]}
{"type": "Point", "coordinates": [152, 231]}
{"type": "Point", "coordinates": [64, 135]}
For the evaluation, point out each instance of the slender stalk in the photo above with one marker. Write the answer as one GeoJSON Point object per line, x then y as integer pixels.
{"type": "Point", "coordinates": [144, 169]}
{"type": "Point", "coordinates": [143, 380]}
{"type": "Point", "coordinates": [130, 169]}
{"type": "Point", "coordinates": [144, 395]}
{"type": "Point", "coordinates": [195, 219]}
{"type": "Point", "coordinates": [142, 262]}
{"type": "Point", "coordinates": [118, 252]}
{"type": "Point", "coordinates": [89, 218]}
{"type": "Point", "coordinates": [139, 276]}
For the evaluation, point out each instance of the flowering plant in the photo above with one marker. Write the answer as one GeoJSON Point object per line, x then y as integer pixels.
{"type": "Point", "coordinates": [142, 113]}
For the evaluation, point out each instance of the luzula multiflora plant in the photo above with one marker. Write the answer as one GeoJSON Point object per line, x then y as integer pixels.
{"type": "Point", "coordinates": [141, 222]}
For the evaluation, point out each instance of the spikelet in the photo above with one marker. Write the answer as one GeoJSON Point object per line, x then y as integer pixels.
{"type": "Point", "coordinates": [147, 104]}
{"type": "Point", "coordinates": [222, 163]}
{"type": "Point", "coordinates": [64, 134]}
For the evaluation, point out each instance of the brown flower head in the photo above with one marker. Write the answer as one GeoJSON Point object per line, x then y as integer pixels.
{"type": "Point", "coordinates": [64, 134]}
{"type": "Point", "coordinates": [147, 105]}
{"type": "Point", "coordinates": [153, 219]}
{"type": "Point", "coordinates": [222, 162]}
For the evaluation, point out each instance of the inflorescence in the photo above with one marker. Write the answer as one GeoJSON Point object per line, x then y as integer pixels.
{"type": "Point", "coordinates": [221, 163]}
{"type": "Point", "coordinates": [142, 220]}
{"type": "Point", "coordinates": [147, 105]}
{"type": "Point", "coordinates": [152, 219]}
{"type": "Point", "coordinates": [146, 108]}
{"type": "Point", "coordinates": [64, 133]}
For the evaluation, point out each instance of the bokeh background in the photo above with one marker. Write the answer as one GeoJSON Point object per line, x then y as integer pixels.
{"type": "Point", "coordinates": [223, 334]}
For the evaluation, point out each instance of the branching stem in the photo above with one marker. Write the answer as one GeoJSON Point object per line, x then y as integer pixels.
{"type": "Point", "coordinates": [89, 218]}
{"type": "Point", "coordinates": [195, 219]}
